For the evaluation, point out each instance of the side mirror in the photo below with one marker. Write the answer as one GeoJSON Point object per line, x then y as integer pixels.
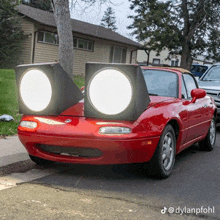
{"type": "Point", "coordinates": [197, 94]}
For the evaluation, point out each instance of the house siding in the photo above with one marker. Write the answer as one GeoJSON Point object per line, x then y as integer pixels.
{"type": "Point", "coordinates": [44, 52]}
{"type": "Point", "coordinates": [39, 52]}
{"type": "Point", "coordinates": [27, 45]}
{"type": "Point", "coordinates": [142, 57]}
{"type": "Point", "coordinates": [100, 53]}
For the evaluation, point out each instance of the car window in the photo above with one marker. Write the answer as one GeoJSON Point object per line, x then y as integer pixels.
{"type": "Point", "coordinates": [184, 94]}
{"type": "Point", "coordinates": [202, 69]}
{"type": "Point", "coordinates": [213, 74]}
{"type": "Point", "coordinates": [193, 68]}
{"type": "Point", "coordinates": [161, 82]}
{"type": "Point", "coordinates": [190, 84]}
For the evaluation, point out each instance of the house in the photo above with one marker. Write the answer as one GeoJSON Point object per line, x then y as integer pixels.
{"type": "Point", "coordinates": [92, 43]}
{"type": "Point", "coordinates": [200, 60]}
{"type": "Point", "coordinates": [174, 60]}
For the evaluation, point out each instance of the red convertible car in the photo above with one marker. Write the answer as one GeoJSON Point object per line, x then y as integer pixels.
{"type": "Point", "coordinates": [178, 115]}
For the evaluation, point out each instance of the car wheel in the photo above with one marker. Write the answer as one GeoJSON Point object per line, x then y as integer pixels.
{"type": "Point", "coordinates": [40, 161]}
{"type": "Point", "coordinates": [208, 144]}
{"type": "Point", "coordinates": [162, 162]}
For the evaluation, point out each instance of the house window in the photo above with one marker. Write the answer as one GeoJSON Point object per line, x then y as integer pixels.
{"type": "Point", "coordinates": [75, 42]}
{"type": "Point", "coordinates": [48, 37]}
{"type": "Point", "coordinates": [175, 62]}
{"type": "Point", "coordinates": [83, 44]}
{"type": "Point", "coordinates": [156, 61]}
{"type": "Point", "coordinates": [118, 55]}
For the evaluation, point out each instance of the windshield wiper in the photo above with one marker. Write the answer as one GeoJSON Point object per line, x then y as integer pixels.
{"type": "Point", "coordinates": [153, 94]}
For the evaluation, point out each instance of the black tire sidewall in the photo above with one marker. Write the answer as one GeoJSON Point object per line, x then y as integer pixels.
{"type": "Point", "coordinates": [207, 143]}
{"type": "Point", "coordinates": [156, 167]}
{"type": "Point", "coordinates": [167, 129]}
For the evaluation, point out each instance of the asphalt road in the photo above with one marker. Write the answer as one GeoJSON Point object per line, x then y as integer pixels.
{"type": "Point", "coordinates": [116, 192]}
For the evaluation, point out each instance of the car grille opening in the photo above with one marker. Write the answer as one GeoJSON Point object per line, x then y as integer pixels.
{"type": "Point", "coordinates": [71, 151]}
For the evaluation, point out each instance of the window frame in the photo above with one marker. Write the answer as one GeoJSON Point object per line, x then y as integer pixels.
{"type": "Point", "coordinates": [112, 54]}
{"type": "Point", "coordinates": [174, 63]}
{"type": "Point", "coordinates": [208, 70]}
{"type": "Point", "coordinates": [87, 43]}
{"type": "Point", "coordinates": [189, 98]}
{"type": "Point", "coordinates": [156, 59]}
{"type": "Point", "coordinates": [177, 81]}
{"type": "Point", "coordinates": [44, 33]}
{"type": "Point", "coordinates": [184, 85]}
{"type": "Point", "coordinates": [57, 41]}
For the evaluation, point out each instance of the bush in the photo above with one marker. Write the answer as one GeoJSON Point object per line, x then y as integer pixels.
{"type": "Point", "coordinates": [11, 35]}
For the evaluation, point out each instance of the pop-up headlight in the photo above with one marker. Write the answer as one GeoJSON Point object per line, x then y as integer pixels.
{"type": "Point", "coordinates": [45, 89]}
{"type": "Point", "coordinates": [115, 91]}
{"type": "Point", "coordinates": [110, 91]}
{"type": "Point", "coordinates": [35, 90]}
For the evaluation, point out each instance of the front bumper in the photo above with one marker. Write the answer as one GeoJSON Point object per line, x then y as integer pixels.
{"type": "Point", "coordinates": [113, 151]}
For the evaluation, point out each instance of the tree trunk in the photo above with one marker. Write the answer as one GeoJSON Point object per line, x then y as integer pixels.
{"type": "Point", "coordinates": [186, 58]}
{"type": "Point", "coordinates": [64, 28]}
{"type": "Point", "coordinates": [148, 56]}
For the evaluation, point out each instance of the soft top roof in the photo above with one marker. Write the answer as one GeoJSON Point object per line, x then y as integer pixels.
{"type": "Point", "coordinates": [166, 68]}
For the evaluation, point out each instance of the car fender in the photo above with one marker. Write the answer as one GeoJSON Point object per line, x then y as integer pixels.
{"type": "Point", "coordinates": [155, 119]}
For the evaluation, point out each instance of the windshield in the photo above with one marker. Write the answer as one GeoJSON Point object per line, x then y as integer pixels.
{"type": "Point", "coordinates": [161, 82]}
{"type": "Point", "coordinates": [213, 74]}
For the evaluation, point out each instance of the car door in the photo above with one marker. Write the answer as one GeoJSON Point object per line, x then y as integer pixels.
{"type": "Point", "coordinates": [197, 112]}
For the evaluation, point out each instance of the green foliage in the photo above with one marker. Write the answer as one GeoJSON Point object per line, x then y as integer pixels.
{"type": "Point", "coordinates": [108, 19]}
{"type": "Point", "coordinates": [185, 27]}
{"type": "Point", "coordinates": [11, 35]}
{"type": "Point", "coordinates": [8, 102]}
{"type": "Point", "coordinates": [41, 4]}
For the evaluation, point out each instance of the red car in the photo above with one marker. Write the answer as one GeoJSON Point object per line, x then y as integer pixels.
{"type": "Point", "coordinates": [179, 115]}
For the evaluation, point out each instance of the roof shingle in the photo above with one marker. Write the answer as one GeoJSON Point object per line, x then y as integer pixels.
{"type": "Point", "coordinates": [47, 18]}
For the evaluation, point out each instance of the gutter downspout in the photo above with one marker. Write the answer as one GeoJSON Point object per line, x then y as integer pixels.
{"type": "Point", "coordinates": [33, 54]}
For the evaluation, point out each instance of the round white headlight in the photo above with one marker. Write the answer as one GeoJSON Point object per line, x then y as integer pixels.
{"type": "Point", "coordinates": [35, 90]}
{"type": "Point", "coordinates": [110, 91]}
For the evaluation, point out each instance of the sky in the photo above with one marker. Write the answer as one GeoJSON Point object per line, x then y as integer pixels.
{"type": "Point", "coordinates": [94, 14]}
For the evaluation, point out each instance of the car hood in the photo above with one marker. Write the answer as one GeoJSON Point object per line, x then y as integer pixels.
{"type": "Point", "coordinates": [211, 85]}
{"type": "Point", "coordinates": [78, 109]}
{"type": "Point", "coordinates": [158, 99]}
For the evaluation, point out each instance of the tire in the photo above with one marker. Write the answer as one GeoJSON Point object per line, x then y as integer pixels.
{"type": "Point", "coordinates": [41, 162]}
{"type": "Point", "coordinates": [208, 144]}
{"type": "Point", "coordinates": [161, 164]}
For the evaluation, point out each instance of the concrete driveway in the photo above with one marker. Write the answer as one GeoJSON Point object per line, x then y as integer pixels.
{"type": "Point", "coordinates": [12, 151]}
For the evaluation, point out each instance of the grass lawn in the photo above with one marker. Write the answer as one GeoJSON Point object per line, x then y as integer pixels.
{"type": "Point", "coordinates": [80, 81]}
{"type": "Point", "coordinates": [8, 100]}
